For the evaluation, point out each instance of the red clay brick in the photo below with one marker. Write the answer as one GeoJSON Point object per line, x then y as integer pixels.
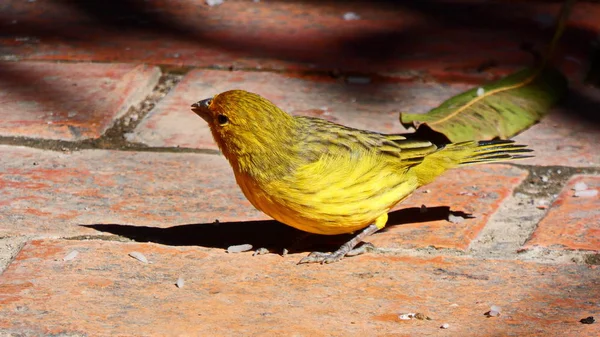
{"type": "Point", "coordinates": [297, 35]}
{"type": "Point", "coordinates": [478, 191]}
{"type": "Point", "coordinates": [104, 292]}
{"type": "Point", "coordinates": [69, 101]}
{"type": "Point", "coordinates": [367, 106]}
{"type": "Point", "coordinates": [49, 193]}
{"type": "Point", "coordinates": [572, 222]}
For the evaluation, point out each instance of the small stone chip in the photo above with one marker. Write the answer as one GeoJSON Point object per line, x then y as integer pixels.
{"type": "Point", "coordinates": [580, 186]}
{"type": "Point", "coordinates": [406, 316]}
{"type": "Point", "coordinates": [214, 2]}
{"type": "Point", "coordinates": [351, 16]}
{"type": "Point", "coordinates": [73, 254]}
{"type": "Point", "coordinates": [455, 218]}
{"type": "Point", "coordinates": [412, 315]}
{"type": "Point", "coordinates": [480, 91]}
{"type": "Point", "coordinates": [585, 194]}
{"type": "Point", "coordinates": [494, 311]}
{"type": "Point", "coordinates": [180, 282]}
{"type": "Point", "coordinates": [285, 252]}
{"type": "Point", "coordinates": [239, 248]}
{"type": "Point", "coordinates": [260, 251]}
{"type": "Point", "coordinates": [445, 326]}
{"type": "Point", "coordinates": [588, 320]}
{"type": "Point", "coordinates": [139, 256]}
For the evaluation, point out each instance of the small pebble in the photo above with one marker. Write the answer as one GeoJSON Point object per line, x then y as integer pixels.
{"type": "Point", "coordinates": [544, 179]}
{"type": "Point", "coordinates": [453, 305]}
{"type": "Point", "coordinates": [494, 311]}
{"type": "Point", "coordinates": [139, 256]}
{"type": "Point", "coordinates": [239, 248]}
{"type": "Point", "coordinates": [445, 326]}
{"type": "Point", "coordinates": [426, 191]}
{"type": "Point", "coordinates": [260, 251]}
{"type": "Point", "coordinates": [588, 320]}
{"type": "Point", "coordinates": [455, 218]}
{"type": "Point", "coordinates": [586, 193]}
{"type": "Point", "coordinates": [351, 16]}
{"type": "Point", "coordinates": [580, 186]}
{"type": "Point", "coordinates": [285, 252]}
{"type": "Point", "coordinates": [480, 92]}
{"type": "Point", "coordinates": [73, 254]}
{"type": "Point", "coordinates": [180, 282]}
{"type": "Point", "coordinates": [407, 316]}
{"type": "Point", "coordinates": [423, 209]}
{"type": "Point", "coordinates": [214, 2]}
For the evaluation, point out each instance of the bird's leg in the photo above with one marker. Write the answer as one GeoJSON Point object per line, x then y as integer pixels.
{"type": "Point", "coordinates": [346, 248]}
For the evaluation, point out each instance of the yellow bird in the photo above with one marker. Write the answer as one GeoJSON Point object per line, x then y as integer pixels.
{"type": "Point", "coordinates": [324, 178]}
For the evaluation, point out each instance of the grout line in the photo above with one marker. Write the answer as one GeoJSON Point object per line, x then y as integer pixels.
{"type": "Point", "coordinates": [13, 245]}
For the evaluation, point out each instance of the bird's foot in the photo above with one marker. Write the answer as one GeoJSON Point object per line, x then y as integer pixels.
{"type": "Point", "coordinates": [345, 250]}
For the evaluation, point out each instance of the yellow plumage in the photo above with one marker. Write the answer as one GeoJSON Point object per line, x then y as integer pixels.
{"type": "Point", "coordinates": [325, 178]}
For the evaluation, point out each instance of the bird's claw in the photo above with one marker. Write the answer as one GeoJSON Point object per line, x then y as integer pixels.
{"type": "Point", "coordinates": [319, 257]}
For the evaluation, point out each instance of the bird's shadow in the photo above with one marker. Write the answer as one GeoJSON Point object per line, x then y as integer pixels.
{"type": "Point", "coordinates": [269, 234]}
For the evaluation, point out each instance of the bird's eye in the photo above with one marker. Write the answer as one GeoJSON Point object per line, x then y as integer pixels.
{"type": "Point", "coordinates": [206, 102]}
{"type": "Point", "coordinates": [222, 119]}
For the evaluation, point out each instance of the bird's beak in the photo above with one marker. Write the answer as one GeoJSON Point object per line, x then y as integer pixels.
{"type": "Point", "coordinates": [201, 108]}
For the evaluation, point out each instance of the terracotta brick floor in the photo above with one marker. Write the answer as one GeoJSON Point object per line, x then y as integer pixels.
{"type": "Point", "coordinates": [101, 157]}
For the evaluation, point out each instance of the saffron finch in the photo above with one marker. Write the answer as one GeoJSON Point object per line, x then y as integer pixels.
{"type": "Point", "coordinates": [324, 178]}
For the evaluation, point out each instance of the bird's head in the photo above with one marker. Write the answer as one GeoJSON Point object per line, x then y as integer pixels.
{"type": "Point", "coordinates": [245, 124]}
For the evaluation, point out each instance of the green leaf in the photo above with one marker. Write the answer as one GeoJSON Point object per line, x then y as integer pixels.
{"type": "Point", "coordinates": [497, 110]}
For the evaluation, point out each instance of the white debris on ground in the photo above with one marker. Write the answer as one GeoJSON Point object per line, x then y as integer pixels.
{"type": "Point", "coordinates": [239, 248]}
{"type": "Point", "coordinates": [455, 218]}
{"type": "Point", "coordinates": [582, 191]}
{"type": "Point", "coordinates": [214, 2]}
{"type": "Point", "coordinates": [260, 251]}
{"type": "Point", "coordinates": [494, 311]}
{"type": "Point", "coordinates": [351, 16]}
{"type": "Point", "coordinates": [445, 326]}
{"type": "Point", "coordinates": [406, 316]}
{"type": "Point", "coordinates": [586, 194]}
{"type": "Point", "coordinates": [580, 186]}
{"type": "Point", "coordinates": [73, 254]}
{"type": "Point", "coordinates": [542, 204]}
{"type": "Point", "coordinates": [180, 282]}
{"type": "Point", "coordinates": [139, 256]}
{"type": "Point", "coordinates": [480, 91]}
{"type": "Point", "coordinates": [412, 315]}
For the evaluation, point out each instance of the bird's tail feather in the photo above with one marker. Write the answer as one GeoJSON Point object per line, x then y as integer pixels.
{"type": "Point", "coordinates": [491, 151]}
{"type": "Point", "coordinates": [468, 153]}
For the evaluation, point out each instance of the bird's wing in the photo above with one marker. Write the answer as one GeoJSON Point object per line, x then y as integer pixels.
{"type": "Point", "coordinates": [321, 137]}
